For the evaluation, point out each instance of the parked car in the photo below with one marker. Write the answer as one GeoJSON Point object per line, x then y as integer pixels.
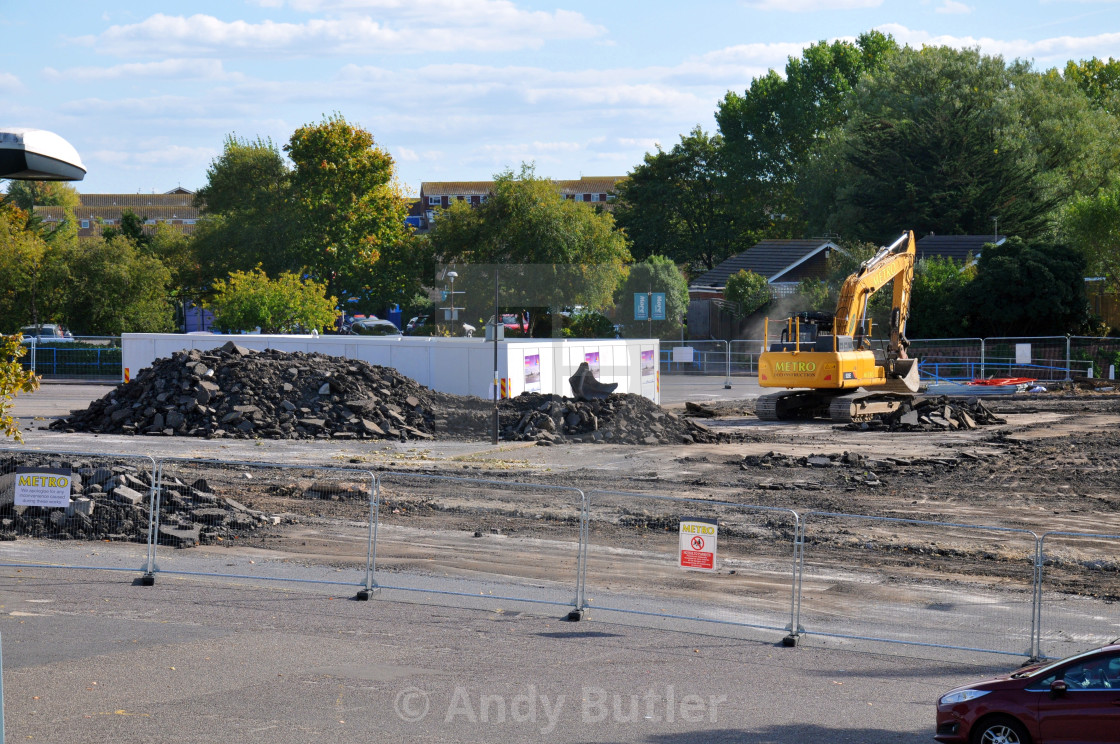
{"type": "Point", "coordinates": [373, 327]}
{"type": "Point", "coordinates": [417, 323]}
{"type": "Point", "coordinates": [1074, 699]}
{"type": "Point", "coordinates": [46, 333]}
{"type": "Point", "coordinates": [515, 322]}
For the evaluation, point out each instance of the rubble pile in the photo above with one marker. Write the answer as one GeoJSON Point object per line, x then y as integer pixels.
{"type": "Point", "coordinates": [236, 392]}
{"type": "Point", "coordinates": [112, 502]}
{"type": "Point", "coordinates": [935, 414]}
{"type": "Point", "coordinates": [239, 393]}
{"type": "Point", "coordinates": [620, 419]}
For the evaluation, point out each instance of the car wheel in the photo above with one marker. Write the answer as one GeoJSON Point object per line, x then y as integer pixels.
{"type": "Point", "coordinates": [1000, 730]}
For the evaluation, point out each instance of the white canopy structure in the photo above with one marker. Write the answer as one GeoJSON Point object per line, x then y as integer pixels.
{"type": "Point", "coordinates": [38, 155]}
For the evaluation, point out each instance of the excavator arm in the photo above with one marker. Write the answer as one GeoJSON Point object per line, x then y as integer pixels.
{"type": "Point", "coordinates": [895, 261]}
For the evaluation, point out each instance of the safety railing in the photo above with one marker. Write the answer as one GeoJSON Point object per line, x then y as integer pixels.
{"type": "Point", "coordinates": [481, 541]}
{"type": "Point", "coordinates": [51, 502]}
{"type": "Point", "coordinates": [511, 541]}
{"type": "Point", "coordinates": [95, 358]}
{"type": "Point", "coordinates": [919, 582]}
{"type": "Point", "coordinates": [1079, 591]}
{"type": "Point", "coordinates": [230, 511]}
{"type": "Point", "coordinates": [634, 559]}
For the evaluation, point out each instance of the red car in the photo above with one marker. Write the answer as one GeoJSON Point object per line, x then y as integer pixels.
{"type": "Point", "coordinates": [1075, 701]}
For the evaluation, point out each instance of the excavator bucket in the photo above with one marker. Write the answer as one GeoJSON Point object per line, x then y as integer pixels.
{"type": "Point", "coordinates": [586, 387]}
{"type": "Point", "coordinates": [905, 378]}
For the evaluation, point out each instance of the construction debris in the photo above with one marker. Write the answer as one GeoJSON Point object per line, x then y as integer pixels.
{"type": "Point", "coordinates": [238, 393]}
{"type": "Point", "coordinates": [619, 419]}
{"type": "Point", "coordinates": [934, 414]}
{"type": "Point", "coordinates": [112, 502]}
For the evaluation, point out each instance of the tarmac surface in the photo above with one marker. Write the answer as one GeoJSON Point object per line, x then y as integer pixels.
{"type": "Point", "coordinates": [89, 657]}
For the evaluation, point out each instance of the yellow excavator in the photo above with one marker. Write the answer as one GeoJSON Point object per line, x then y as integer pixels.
{"type": "Point", "coordinates": [826, 361]}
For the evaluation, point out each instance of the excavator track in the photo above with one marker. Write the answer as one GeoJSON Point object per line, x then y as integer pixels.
{"type": "Point", "coordinates": [864, 406]}
{"type": "Point", "coordinates": [855, 406]}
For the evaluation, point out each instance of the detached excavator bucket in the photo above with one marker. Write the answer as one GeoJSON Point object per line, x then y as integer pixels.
{"type": "Point", "coordinates": [586, 387]}
{"type": "Point", "coordinates": [905, 378]}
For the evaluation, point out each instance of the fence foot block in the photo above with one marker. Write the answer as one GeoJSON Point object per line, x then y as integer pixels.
{"type": "Point", "coordinates": [576, 615]}
{"type": "Point", "coordinates": [791, 640]}
{"type": "Point", "coordinates": [148, 580]}
{"type": "Point", "coordinates": [365, 595]}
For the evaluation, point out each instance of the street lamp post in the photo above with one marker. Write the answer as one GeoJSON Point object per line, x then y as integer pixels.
{"type": "Point", "coordinates": [452, 275]}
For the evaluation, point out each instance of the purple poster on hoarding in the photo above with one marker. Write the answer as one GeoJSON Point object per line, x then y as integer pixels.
{"type": "Point", "coordinates": [649, 366]}
{"type": "Point", "coordinates": [592, 359]}
{"type": "Point", "coordinates": [533, 373]}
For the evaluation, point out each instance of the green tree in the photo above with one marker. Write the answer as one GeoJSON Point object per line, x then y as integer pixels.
{"type": "Point", "coordinates": [131, 229]}
{"type": "Point", "coordinates": [109, 287]}
{"type": "Point", "coordinates": [654, 274]}
{"type": "Point", "coordinates": [1076, 143]}
{"type": "Point", "coordinates": [938, 144]}
{"type": "Point", "coordinates": [1091, 224]}
{"type": "Point", "coordinates": [1026, 289]}
{"type": "Point", "coordinates": [286, 304]}
{"type": "Point", "coordinates": [749, 291]}
{"type": "Point", "coordinates": [26, 288]}
{"type": "Point", "coordinates": [13, 380]}
{"type": "Point", "coordinates": [29, 194]}
{"type": "Point", "coordinates": [935, 298]}
{"type": "Point", "coordinates": [347, 201]}
{"type": "Point", "coordinates": [246, 218]}
{"type": "Point", "coordinates": [676, 204]}
{"type": "Point", "coordinates": [1099, 80]}
{"type": "Point", "coordinates": [774, 130]}
{"type": "Point", "coordinates": [551, 251]}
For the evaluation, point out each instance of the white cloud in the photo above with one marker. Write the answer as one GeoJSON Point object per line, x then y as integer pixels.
{"type": "Point", "coordinates": [153, 156]}
{"type": "Point", "coordinates": [405, 154]}
{"type": "Point", "coordinates": [481, 26]}
{"type": "Point", "coordinates": [1054, 49]}
{"type": "Point", "coordinates": [9, 82]}
{"type": "Point", "coordinates": [183, 69]}
{"type": "Point", "coordinates": [810, 6]}
{"type": "Point", "coordinates": [953, 7]}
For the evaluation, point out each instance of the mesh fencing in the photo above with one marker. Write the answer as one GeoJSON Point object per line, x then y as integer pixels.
{"type": "Point", "coordinates": [918, 582]}
{"type": "Point", "coordinates": [1043, 358]}
{"type": "Point", "coordinates": [105, 522]}
{"type": "Point", "coordinates": [87, 357]}
{"type": "Point", "coordinates": [634, 555]}
{"type": "Point", "coordinates": [508, 540]}
{"type": "Point", "coordinates": [1079, 594]}
{"type": "Point", "coordinates": [266, 521]}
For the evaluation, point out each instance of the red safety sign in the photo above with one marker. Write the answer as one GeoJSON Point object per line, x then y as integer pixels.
{"type": "Point", "coordinates": [698, 544]}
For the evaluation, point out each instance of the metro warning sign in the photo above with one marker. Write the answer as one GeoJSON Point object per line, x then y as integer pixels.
{"type": "Point", "coordinates": [49, 487]}
{"type": "Point", "coordinates": [698, 544]}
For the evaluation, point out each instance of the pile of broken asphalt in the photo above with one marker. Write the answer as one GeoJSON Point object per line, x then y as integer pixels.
{"type": "Point", "coordinates": [240, 393]}
{"type": "Point", "coordinates": [937, 413]}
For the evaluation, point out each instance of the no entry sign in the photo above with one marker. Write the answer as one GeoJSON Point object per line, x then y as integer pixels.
{"type": "Point", "coordinates": [698, 544]}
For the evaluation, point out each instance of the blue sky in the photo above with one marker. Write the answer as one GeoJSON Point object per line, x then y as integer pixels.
{"type": "Point", "coordinates": [454, 89]}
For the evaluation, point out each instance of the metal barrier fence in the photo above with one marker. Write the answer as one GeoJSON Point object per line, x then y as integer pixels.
{"type": "Point", "coordinates": [229, 512]}
{"type": "Point", "coordinates": [633, 550]}
{"type": "Point", "coordinates": [83, 357]}
{"type": "Point", "coordinates": [919, 582]}
{"type": "Point", "coordinates": [109, 514]}
{"type": "Point", "coordinates": [502, 531]}
{"type": "Point", "coordinates": [909, 581]}
{"type": "Point", "coordinates": [1045, 358]}
{"type": "Point", "coordinates": [1079, 592]}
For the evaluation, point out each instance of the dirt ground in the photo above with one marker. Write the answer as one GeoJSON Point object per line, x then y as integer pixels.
{"type": "Point", "coordinates": [1051, 467]}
